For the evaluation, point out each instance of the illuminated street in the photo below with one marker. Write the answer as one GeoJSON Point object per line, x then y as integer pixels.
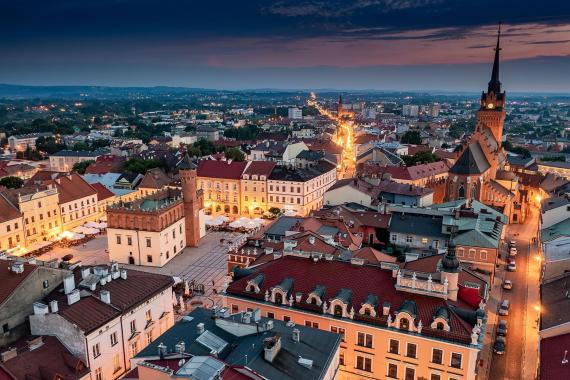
{"type": "Point", "coordinates": [344, 138]}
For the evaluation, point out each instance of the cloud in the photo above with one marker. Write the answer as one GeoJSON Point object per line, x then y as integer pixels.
{"type": "Point", "coordinates": [548, 42]}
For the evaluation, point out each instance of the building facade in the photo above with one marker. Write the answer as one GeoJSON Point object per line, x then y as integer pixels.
{"type": "Point", "coordinates": [253, 186]}
{"type": "Point", "coordinates": [220, 184]}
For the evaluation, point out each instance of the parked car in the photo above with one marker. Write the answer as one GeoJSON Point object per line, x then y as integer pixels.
{"type": "Point", "coordinates": [513, 251]}
{"type": "Point", "coordinates": [500, 345]}
{"type": "Point", "coordinates": [512, 243]}
{"type": "Point", "coordinates": [507, 284]}
{"type": "Point", "coordinates": [512, 267]}
{"type": "Point", "coordinates": [502, 328]}
{"type": "Point", "coordinates": [504, 308]}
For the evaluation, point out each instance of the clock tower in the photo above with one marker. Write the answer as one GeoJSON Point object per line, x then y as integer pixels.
{"type": "Point", "coordinates": [492, 111]}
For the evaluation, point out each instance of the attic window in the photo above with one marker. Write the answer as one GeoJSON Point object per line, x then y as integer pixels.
{"type": "Point", "coordinates": [440, 326]}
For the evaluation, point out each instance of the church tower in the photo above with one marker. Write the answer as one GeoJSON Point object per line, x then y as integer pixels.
{"type": "Point", "coordinates": [492, 111]}
{"type": "Point", "coordinates": [192, 201]}
{"type": "Point", "coordinates": [339, 106]}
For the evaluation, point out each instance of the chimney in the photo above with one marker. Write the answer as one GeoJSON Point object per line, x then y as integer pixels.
{"type": "Point", "coordinates": [180, 347]}
{"type": "Point", "coordinates": [35, 343]}
{"type": "Point", "coordinates": [271, 347]}
{"type": "Point", "coordinates": [69, 284]}
{"type": "Point", "coordinates": [200, 328]}
{"type": "Point", "coordinates": [11, 353]}
{"type": "Point", "coordinates": [123, 274]}
{"type": "Point", "coordinates": [40, 308]}
{"type": "Point", "coordinates": [296, 335]}
{"type": "Point", "coordinates": [105, 296]}
{"type": "Point", "coordinates": [85, 272]}
{"type": "Point", "coordinates": [17, 267]}
{"type": "Point", "coordinates": [54, 306]}
{"type": "Point", "coordinates": [162, 350]}
{"type": "Point", "coordinates": [73, 297]}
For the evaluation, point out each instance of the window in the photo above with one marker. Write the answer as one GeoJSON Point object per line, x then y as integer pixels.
{"type": "Point", "coordinates": [118, 239]}
{"type": "Point", "coordinates": [114, 339]}
{"type": "Point", "coordinates": [149, 337]}
{"type": "Point", "coordinates": [411, 350]}
{"type": "Point", "coordinates": [338, 310]}
{"type": "Point", "coordinates": [98, 374]}
{"type": "Point", "coordinates": [364, 364]}
{"type": "Point", "coordinates": [435, 376]}
{"type": "Point", "coordinates": [270, 315]}
{"type": "Point", "coordinates": [341, 358]}
{"type": "Point", "coordinates": [339, 330]}
{"type": "Point", "coordinates": [5, 328]}
{"type": "Point", "coordinates": [392, 371]}
{"type": "Point", "coordinates": [8, 228]}
{"type": "Point", "coordinates": [133, 326]}
{"type": "Point", "coordinates": [149, 258]}
{"type": "Point", "coordinates": [148, 242]}
{"type": "Point", "coordinates": [129, 240]}
{"type": "Point", "coordinates": [404, 324]}
{"type": "Point", "coordinates": [116, 363]}
{"type": "Point", "coordinates": [96, 351]}
{"type": "Point", "coordinates": [424, 240]}
{"type": "Point", "coordinates": [364, 340]}
{"type": "Point", "coordinates": [394, 346]}
{"type": "Point", "coordinates": [437, 356]}
{"type": "Point", "coordinates": [455, 360]}
{"type": "Point", "coordinates": [286, 318]}
{"type": "Point", "coordinates": [314, 325]}
{"type": "Point", "coordinates": [235, 309]}
{"type": "Point", "coordinates": [148, 315]}
{"type": "Point", "coordinates": [409, 238]}
{"type": "Point", "coordinates": [135, 348]}
{"type": "Point", "coordinates": [410, 374]}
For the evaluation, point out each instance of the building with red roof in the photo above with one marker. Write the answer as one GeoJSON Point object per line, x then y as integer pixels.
{"type": "Point", "coordinates": [105, 315]}
{"type": "Point", "coordinates": [220, 182]}
{"type": "Point", "coordinates": [107, 163]}
{"type": "Point", "coordinates": [384, 312]}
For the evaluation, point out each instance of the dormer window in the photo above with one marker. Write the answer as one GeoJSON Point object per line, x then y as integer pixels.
{"type": "Point", "coordinates": [441, 319]}
{"type": "Point", "coordinates": [338, 310]}
{"type": "Point", "coordinates": [439, 326]}
{"type": "Point", "coordinates": [278, 298]}
{"type": "Point", "coordinates": [316, 296]}
{"type": "Point", "coordinates": [404, 323]}
{"type": "Point", "coordinates": [253, 284]}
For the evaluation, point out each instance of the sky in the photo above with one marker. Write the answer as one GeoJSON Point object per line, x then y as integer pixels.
{"type": "Point", "coordinates": [432, 45]}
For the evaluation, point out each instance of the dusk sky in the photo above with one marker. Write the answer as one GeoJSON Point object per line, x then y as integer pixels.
{"type": "Point", "coordinates": [336, 44]}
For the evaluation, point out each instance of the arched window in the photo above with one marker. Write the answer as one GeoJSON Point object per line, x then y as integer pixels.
{"type": "Point", "coordinates": [366, 311]}
{"type": "Point", "coordinates": [404, 324]}
{"type": "Point", "coordinates": [227, 209]}
{"type": "Point", "coordinates": [439, 326]}
{"type": "Point", "coordinates": [461, 192]}
{"type": "Point", "coordinates": [218, 208]}
{"type": "Point", "coordinates": [278, 298]}
{"type": "Point", "coordinates": [235, 210]}
{"type": "Point", "coordinates": [338, 310]}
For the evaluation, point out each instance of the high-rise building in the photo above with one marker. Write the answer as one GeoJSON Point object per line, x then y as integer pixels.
{"type": "Point", "coordinates": [295, 113]}
{"type": "Point", "coordinates": [410, 110]}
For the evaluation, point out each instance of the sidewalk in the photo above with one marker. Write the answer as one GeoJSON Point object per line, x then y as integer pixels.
{"type": "Point", "coordinates": [529, 371]}
{"type": "Point", "coordinates": [496, 295]}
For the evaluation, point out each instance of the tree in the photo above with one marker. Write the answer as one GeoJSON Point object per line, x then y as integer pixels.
{"type": "Point", "coordinates": [234, 154]}
{"type": "Point", "coordinates": [522, 151]}
{"type": "Point", "coordinates": [80, 167]}
{"type": "Point", "coordinates": [206, 147]}
{"type": "Point", "coordinates": [420, 158]}
{"type": "Point", "coordinates": [138, 165]}
{"type": "Point", "coordinates": [560, 158]}
{"type": "Point", "coordinates": [249, 132]}
{"type": "Point", "coordinates": [12, 182]}
{"type": "Point", "coordinates": [80, 146]}
{"type": "Point", "coordinates": [411, 137]}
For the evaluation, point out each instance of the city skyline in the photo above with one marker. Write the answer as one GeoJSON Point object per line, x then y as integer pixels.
{"type": "Point", "coordinates": [425, 45]}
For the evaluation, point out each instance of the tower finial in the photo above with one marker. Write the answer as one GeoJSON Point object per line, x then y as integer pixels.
{"type": "Point", "coordinates": [494, 83]}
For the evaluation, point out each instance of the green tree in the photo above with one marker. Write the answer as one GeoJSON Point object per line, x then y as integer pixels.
{"type": "Point", "coordinates": [12, 182]}
{"type": "Point", "coordinates": [420, 158]}
{"type": "Point", "coordinates": [411, 137]}
{"type": "Point", "coordinates": [80, 167]}
{"type": "Point", "coordinates": [560, 158]}
{"type": "Point", "coordinates": [234, 154]}
{"type": "Point", "coordinates": [138, 165]}
{"type": "Point", "coordinates": [80, 146]}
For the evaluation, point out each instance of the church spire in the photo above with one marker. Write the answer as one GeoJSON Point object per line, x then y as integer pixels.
{"type": "Point", "coordinates": [494, 83]}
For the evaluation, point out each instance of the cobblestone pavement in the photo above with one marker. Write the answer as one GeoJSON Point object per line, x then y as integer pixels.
{"type": "Point", "coordinates": [205, 264]}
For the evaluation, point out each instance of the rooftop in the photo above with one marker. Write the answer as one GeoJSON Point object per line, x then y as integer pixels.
{"type": "Point", "coordinates": [552, 352]}
{"type": "Point", "coordinates": [555, 302]}
{"type": "Point", "coordinates": [248, 347]}
{"type": "Point", "coordinates": [221, 169]}
{"type": "Point", "coordinates": [280, 173]}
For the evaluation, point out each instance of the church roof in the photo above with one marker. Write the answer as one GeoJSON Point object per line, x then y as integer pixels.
{"type": "Point", "coordinates": [471, 161]}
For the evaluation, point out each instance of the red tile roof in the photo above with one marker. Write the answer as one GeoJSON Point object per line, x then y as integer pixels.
{"type": "Point", "coordinates": [89, 313]}
{"type": "Point", "coordinates": [373, 256]}
{"type": "Point", "coordinates": [155, 179]}
{"type": "Point", "coordinates": [552, 351]}
{"type": "Point", "coordinates": [404, 173]}
{"type": "Point", "coordinates": [362, 280]}
{"type": "Point", "coordinates": [260, 168]}
{"type": "Point", "coordinates": [107, 163]}
{"type": "Point", "coordinates": [102, 192]}
{"type": "Point", "coordinates": [72, 187]}
{"type": "Point", "coordinates": [8, 211]}
{"type": "Point", "coordinates": [47, 361]}
{"type": "Point", "coordinates": [221, 169]}
{"type": "Point", "coordinates": [11, 281]}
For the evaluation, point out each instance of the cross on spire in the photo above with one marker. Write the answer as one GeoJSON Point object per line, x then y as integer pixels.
{"type": "Point", "coordinates": [494, 83]}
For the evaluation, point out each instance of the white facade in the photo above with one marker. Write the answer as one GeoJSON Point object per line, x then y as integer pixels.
{"type": "Point", "coordinates": [149, 248]}
{"type": "Point", "coordinates": [65, 163]}
{"type": "Point", "coordinates": [346, 194]}
{"type": "Point", "coordinates": [295, 113]}
{"type": "Point", "coordinates": [548, 218]}
{"type": "Point", "coordinates": [79, 211]}
{"type": "Point", "coordinates": [299, 197]}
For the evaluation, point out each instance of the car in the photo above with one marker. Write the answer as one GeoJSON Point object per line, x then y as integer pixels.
{"type": "Point", "coordinates": [504, 308]}
{"type": "Point", "coordinates": [502, 328]}
{"type": "Point", "coordinates": [512, 267]}
{"type": "Point", "coordinates": [507, 284]}
{"type": "Point", "coordinates": [513, 251]}
{"type": "Point", "coordinates": [500, 345]}
{"type": "Point", "coordinates": [512, 243]}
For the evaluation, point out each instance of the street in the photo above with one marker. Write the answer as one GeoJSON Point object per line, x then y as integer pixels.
{"type": "Point", "coordinates": [520, 358]}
